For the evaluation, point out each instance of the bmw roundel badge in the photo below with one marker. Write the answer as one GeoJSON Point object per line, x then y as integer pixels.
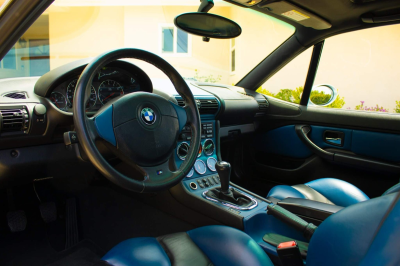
{"type": "Point", "coordinates": [148, 116]}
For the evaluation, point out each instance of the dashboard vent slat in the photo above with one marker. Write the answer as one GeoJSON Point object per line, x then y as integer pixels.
{"type": "Point", "coordinates": [13, 120]}
{"type": "Point", "coordinates": [263, 106]}
{"type": "Point", "coordinates": [181, 103]}
{"type": "Point", "coordinates": [206, 106]}
{"type": "Point", "coordinates": [16, 95]}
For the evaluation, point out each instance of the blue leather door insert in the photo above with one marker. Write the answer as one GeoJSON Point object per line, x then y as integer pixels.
{"type": "Point", "coordinates": [284, 141]}
{"type": "Point", "coordinates": [376, 145]}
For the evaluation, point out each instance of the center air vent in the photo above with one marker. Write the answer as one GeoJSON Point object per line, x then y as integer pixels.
{"type": "Point", "coordinates": [16, 95]}
{"type": "Point", "coordinates": [14, 120]}
{"type": "Point", "coordinates": [206, 106]}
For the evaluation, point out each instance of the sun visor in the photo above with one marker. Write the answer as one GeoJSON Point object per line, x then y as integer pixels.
{"type": "Point", "coordinates": [295, 13]}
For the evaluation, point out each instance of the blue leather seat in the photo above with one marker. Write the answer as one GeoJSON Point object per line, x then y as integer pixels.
{"type": "Point", "coordinates": [362, 234]}
{"type": "Point", "coordinates": [327, 190]}
{"type": "Point", "coordinates": [210, 245]}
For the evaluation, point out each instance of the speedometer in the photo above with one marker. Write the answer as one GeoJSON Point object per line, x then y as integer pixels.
{"type": "Point", "coordinates": [109, 89]}
{"type": "Point", "coordinates": [71, 94]}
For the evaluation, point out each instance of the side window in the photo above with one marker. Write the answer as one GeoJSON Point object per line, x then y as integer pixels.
{"type": "Point", "coordinates": [363, 67]}
{"type": "Point", "coordinates": [288, 83]}
{"type": "Point", "coordinates": [174, 41]}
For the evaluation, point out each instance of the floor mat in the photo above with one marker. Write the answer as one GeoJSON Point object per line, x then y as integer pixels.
{"type": "Point", "coordinates": [84, 254]}
{"type": "Point", "coordinates": [108, 217]}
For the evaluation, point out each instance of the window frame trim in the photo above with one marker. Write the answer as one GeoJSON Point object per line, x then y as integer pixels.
{"type": "Point", "coordinates": [312, 72]}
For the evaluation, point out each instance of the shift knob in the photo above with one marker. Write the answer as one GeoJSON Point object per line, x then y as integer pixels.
{"type": "Point", "coordinates": [224, 172]}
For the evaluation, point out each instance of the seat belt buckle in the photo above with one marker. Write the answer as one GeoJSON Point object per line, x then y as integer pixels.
{"type": "Point", "coordinates": [289, 254]}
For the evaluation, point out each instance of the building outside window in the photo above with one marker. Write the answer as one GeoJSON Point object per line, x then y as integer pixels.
{"type": "Point", "coordinates": [10, 60]}
{"type": "Point", "coordinates": [174, 41]}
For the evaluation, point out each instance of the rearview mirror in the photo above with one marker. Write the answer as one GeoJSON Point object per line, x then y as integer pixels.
{"type": "Point", "coordinates": [323, 95]}
{"type": "Point", "coordinates": [208, 25]}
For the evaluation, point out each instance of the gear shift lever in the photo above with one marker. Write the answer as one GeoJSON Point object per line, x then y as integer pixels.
{"type": "Point", "coordinates": [224, 172]}
{"type": "Point", "coordinates": [226, 194]}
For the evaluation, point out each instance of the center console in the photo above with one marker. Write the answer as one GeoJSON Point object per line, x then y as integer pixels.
{"type": "Point", "coordinates": [207, 189]}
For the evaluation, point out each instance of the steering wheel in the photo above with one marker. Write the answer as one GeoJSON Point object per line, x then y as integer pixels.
{"type": "Point", "coordinates": [140, 128]}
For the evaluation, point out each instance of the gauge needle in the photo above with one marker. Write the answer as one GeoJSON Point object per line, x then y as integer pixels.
{"type": "Point", "coordinates": [109, 96]}
{"type": "Point", "coordinates": [209, 146]}
{"type": "Point", "coordinates": [55, 101]}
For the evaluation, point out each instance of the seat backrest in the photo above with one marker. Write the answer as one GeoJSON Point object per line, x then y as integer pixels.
{"type": "Point", "coordinates": [351, 236]}
{"type": "Point", "coordinates": [393, 189]}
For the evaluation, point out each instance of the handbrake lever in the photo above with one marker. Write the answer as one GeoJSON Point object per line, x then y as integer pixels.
{"type": "Point", "coordinates": [292, 219]}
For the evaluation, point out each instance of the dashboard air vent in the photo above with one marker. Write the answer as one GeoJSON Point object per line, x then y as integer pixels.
{"type": "Point", "coordinates": [13, 120]}
{"type": "Point", "coordinates": [206, 106]}
{"type": "Point", "coordinates": [263, 105]}
{"type": "Point", "coordinates": [181, 102]}
{"type": "Point", "coordinates": [16, 95]}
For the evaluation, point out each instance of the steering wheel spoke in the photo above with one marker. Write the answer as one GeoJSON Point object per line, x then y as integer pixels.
{"type": "Point", "coordinates": [102, 125]}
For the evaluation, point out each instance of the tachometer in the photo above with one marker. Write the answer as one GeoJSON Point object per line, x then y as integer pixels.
{"type": "Point", "coordinates": [109, 89]}
{"type": "Point", "coordinates": [71, 94]}
{"type": "Point", "coordinates": [58, 100]}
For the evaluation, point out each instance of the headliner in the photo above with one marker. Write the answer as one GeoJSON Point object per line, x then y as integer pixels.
{"type": "Point", "coordinates": [344, 16]}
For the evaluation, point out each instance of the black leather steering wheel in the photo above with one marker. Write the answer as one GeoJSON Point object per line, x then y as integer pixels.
{"type": "Point", "coordinates": [140, 128]}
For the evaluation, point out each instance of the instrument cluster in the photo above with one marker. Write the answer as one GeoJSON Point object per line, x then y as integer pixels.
{"type": "Point", "coordinates": [109, 83]}
{"type": "Point", "coordinates": [206, 151]}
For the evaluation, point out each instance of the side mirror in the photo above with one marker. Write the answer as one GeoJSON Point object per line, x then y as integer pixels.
{"type": "Point", "coordinates": [323, 95]}
{"type": "Point", "coordinates": [208, 25]}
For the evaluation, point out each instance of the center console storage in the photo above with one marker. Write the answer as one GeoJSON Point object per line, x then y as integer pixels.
{"type": "Point", "coordinates": [311, 211]}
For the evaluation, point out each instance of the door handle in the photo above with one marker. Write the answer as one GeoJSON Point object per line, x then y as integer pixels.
{"type": "Point", "coordinates": [302, 131]}
{"type": "Point", "coordinates": [335, 138]}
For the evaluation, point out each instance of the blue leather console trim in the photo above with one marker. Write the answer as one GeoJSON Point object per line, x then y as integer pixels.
{"type": "Point", "coordinates": [228, 246]}
{"type": "Point", "coordinates": [282, 141]}
{"type": "Point", "coordinates": [338, 191]}
{"type": "Point", "coordinates": [345, 237]}
{"type": "Point", "coordinates": [393, 189]}
{"type": "Point", "coordinates": [282, 192]}
{"type": "Point", "coordinates": [384, 250]}
{"type": "Point", "coordinates": [142, 251]}
{"type": "Point", "coordinates": [104, 125]}
{"type": "Point", "coordinates": [182, 116]}
{"type": "Point", "coordinates": [203, 157]}
{"type": "Point", "coordinates": [376, 145]}
{"type": "Point", "coordinates": [260, 223]}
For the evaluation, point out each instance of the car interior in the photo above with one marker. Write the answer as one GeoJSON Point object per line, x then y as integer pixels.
{"type": "Point", "coordinates": [102, 163]}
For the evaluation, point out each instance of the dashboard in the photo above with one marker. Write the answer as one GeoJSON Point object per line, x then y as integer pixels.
{"type": "Point", "coordinates": [35, 112]}
{"type": "Point", "coordinates": [111, 82]}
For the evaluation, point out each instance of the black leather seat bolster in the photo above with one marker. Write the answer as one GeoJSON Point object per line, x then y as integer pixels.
{"type": "Point", "coordinates": [181, 250]}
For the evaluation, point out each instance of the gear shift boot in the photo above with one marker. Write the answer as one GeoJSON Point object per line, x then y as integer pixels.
{"type": "Point", "coordinates": [233, 197]}
{"type": "Point", "coordinates": [226, 195]}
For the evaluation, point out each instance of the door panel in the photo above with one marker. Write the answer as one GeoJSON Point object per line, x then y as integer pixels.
{"type": "Point", "coordinates": [284, 141]}
{"type": "Point", "coordinates": [278, 156]}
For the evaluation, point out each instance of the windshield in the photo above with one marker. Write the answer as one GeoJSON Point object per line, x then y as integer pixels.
{"type": "Point", "coordinates": [70, 30]}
